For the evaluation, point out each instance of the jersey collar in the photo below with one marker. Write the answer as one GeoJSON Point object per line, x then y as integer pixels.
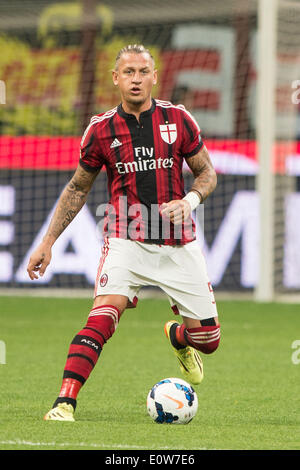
{"type": "Point", "coordinates": [146, 113]}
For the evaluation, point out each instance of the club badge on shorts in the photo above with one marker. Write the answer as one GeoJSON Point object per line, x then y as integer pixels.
{"type": "Point", "coordinates": [103, 280]}
{"type": "Point", "coordinates": [168, 133]}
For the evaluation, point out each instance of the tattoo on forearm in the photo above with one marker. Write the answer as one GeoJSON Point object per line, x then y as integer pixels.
{"type": "Point", "coordinates": [69, 217]}
{"type": "Point", "coordinates": [71, 201]}
{"type": "Point", "coordinates": [205, 176]}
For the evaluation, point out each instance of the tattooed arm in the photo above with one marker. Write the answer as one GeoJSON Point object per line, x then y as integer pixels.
{"type": "Point", "coordinates": [204, 173]}
{"type": "Point", "coordinates": [205, 181]}
{"type": "Point", "coordinates": [69, 204]}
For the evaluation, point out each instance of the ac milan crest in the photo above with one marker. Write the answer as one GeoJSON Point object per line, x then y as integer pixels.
{"type": "Point", "coordinates": [168, 133]}
{"type": "Point", "coordinates": [103, 280]}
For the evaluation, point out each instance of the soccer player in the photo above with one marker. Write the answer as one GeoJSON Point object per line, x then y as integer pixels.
{"type": "Point", "coordinates": [149, 235]}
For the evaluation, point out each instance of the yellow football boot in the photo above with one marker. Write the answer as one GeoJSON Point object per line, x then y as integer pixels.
{"type": "Point", "coordinates": [62, 412]}
{"type": "Point", "coordinates": [190, 362]}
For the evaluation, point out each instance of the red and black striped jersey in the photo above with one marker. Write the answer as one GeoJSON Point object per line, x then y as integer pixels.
{"type": "Point", "coordinates": [143, 161]}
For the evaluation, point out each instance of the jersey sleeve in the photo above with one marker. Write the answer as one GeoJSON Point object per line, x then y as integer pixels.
{"type": "Point", "coordinates": [91, 158]}
{"type": "Point", "coordinates": [191, 138]}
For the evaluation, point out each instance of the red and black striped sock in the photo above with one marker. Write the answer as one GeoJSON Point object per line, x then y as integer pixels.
{"type": "Point", "coordinates": [85, 349]}
{"type": "Point", "coordinates": [205, 338]}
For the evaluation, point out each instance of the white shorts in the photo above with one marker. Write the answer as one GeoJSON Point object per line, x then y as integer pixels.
{"type": "Point", "coordinates": [180, 271]}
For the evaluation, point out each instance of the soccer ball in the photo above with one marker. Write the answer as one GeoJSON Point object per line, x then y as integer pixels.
{"type": "Point", "coordinates": [172, 401]}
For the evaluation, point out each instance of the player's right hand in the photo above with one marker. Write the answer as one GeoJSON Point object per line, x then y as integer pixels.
{"type": "Point", "coordinates": [39, 261]}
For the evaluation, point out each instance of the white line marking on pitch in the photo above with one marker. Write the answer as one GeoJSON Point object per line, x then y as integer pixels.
{"type": "Point", "coordinates": [17, 442]}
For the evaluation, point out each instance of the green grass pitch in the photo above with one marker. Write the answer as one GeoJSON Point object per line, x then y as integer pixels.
{"type": "Point", "coordinates": [249, 398]}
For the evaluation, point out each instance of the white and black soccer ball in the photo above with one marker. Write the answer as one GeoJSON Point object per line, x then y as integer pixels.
{"type": "Point", "coordinates": [172, 401]}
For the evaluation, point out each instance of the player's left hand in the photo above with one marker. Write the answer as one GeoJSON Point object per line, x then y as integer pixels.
{"type": "Point", "coordinates": [178, 210]}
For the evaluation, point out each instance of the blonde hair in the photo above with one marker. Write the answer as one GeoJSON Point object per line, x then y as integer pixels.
{"type": "Point", "coordinates": [134, 49]}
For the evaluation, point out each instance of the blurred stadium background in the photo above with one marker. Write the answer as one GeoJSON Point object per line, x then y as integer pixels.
{"type": "Point", "coordinates": [233, 64]}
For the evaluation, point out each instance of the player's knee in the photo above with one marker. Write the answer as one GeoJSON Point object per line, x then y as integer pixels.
{"type": "Point", "coordinates": [205, 339]}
